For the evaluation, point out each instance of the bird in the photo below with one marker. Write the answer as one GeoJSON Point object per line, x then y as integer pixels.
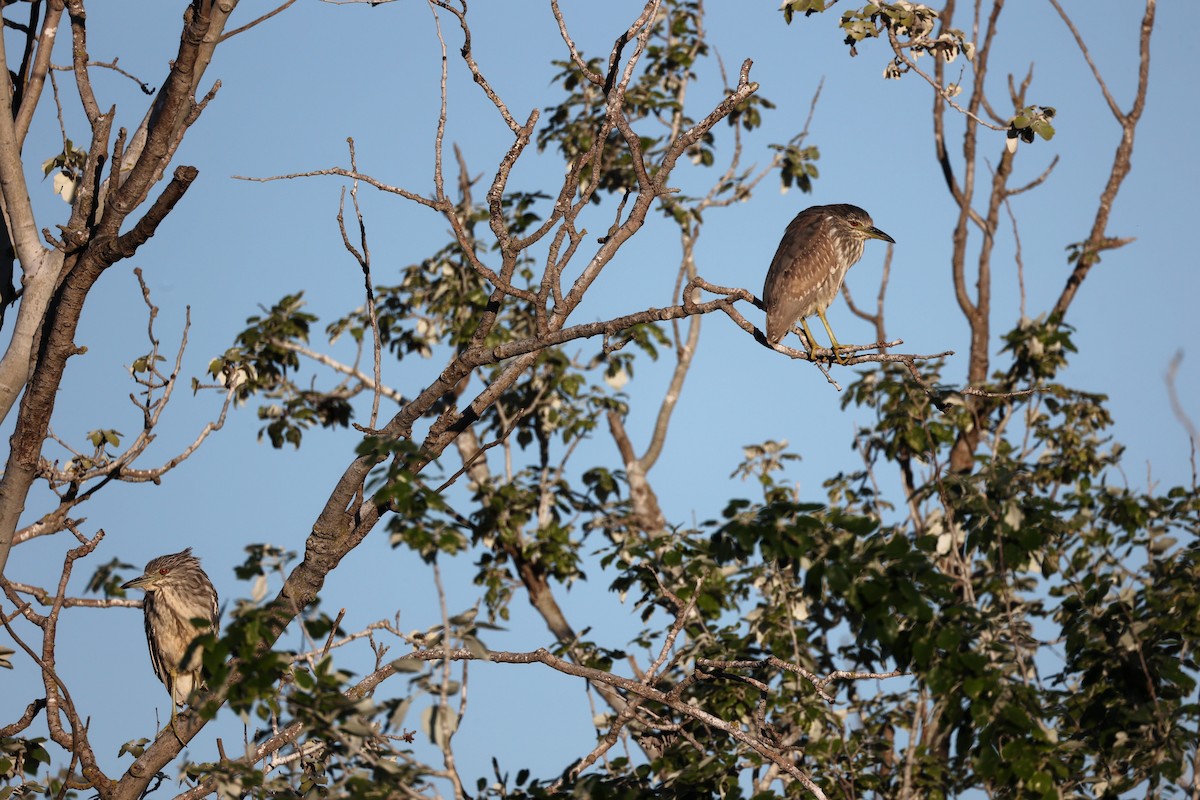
{"type": "Point", "coordinates": [177, 592]}
{"type": "Point", "coordinates": [818, 248]}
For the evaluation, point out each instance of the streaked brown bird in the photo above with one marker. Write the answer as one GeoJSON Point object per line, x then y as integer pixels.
{"type": "Point", "coordinates": [818, 248]}
{"type": "Point", "coordinates": [177, 592]}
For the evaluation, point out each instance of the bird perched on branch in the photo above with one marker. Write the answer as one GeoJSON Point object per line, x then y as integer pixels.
{"type": "Point", "coordinates": [178, 592]}
{"type": "Point", "coordinates": [817, 249]}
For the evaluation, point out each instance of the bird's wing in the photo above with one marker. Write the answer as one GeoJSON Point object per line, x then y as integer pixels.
{"type": "Point", "coordinates": [161, 670]}
{"type": "Point", "coordinates": [790, 291]}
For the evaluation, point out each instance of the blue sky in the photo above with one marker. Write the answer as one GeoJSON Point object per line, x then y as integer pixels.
{"type": "Point", "coordinates": [297, 86]}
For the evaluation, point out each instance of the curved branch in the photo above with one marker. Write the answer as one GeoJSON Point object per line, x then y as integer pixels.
{"type": "Point", "coordinates": [1122, 163]}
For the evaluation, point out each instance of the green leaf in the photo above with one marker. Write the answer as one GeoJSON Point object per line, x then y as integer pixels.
{"type": "Point", "coordinates": [134, 747]}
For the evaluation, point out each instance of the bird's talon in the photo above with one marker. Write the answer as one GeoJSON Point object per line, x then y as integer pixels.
{"type": "Point", "coordinates": [175, 730]}
{"type": "Point", "coordinates": [817, 249]}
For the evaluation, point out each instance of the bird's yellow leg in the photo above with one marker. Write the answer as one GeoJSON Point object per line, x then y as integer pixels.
{"type": "Point", "coordinates": [175, 730]}
{"type": "Point", "coordinates": [809, 341]}
{"type": "Point", "coordinates": [832, 338]}
{"type": "Point", "coordinates": [171, 691]}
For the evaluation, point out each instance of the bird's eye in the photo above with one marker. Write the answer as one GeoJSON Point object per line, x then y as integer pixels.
{"type": "Point", "coordinates": [164, 571]}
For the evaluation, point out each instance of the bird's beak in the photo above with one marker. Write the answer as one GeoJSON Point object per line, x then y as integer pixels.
{"type": "Point", "coordinates": [875, 233]}
{"type": "Point", "coordinates": [143, 582]}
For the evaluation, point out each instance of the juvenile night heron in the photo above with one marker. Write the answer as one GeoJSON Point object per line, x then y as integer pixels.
{"type": "Point", "coordinates": [177, 592]}
{"type": "Point", "coordinates": [817, 249]}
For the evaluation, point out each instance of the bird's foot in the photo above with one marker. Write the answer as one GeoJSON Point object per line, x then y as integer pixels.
{"type": "Point", "coordinates": [175, 730]}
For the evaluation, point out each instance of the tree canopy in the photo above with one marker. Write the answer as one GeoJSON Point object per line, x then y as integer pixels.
{"type": "Point", "coordinates": [490, 405]}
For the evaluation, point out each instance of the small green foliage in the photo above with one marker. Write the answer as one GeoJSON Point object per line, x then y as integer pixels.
{"type": "Point", "coordinates": [911, 23]}
{"type": "Point", "coordinates": [763, 460]}
{"type": "Point", "coordinates": [519, 211]}
{"type": "Point", "coordinates": [1079, 252]}
{"type": "Point", "coordinates": [748, 114]}
{"type": "Point", "coordinates": [1039, 347]}
{"type": "Point", "coordinates": [263, 559]}
{"type": "Point", "coordinates": [808, 7]}
{"type": "Point", "coordinates": [602, 484]}
{"type": "Point", "coordinates": [512, 522]}
{"type": "Point", "coordinates": [22, 757]}
{"type": "Point", "coordinates": [261, 344]}
{"type": "Point", "coordinates": [261, 363]}
{"type": "Point", "coordinates": [914, 21]}
{"type": "Point", "coordinates": [101, 439]}
{"type": "Point", "coordinates": [860, 25]}
{"type": "Point", "coordinates": [70, 163]}
{"type": "Point", "coordinates": [422, 521]}
{"type": "Point", "coordinates": [797, 166]}
{"type": "Point", "coordinates": [246, 638]}
{"type": "Point", "coordinates": [319, 625]}
{"type": "Point", "coordinates": [71, 159]}
{"type": "Point", "coordinates": [907, 425]}
{"type": "Point", "coordinates": [669, 64]}
{"type": "Point", "coordinates": [1032, 120]}
{"type": "Point", "coordinates": [398, 487]}
{"type": "Point", "coordinates": [146, 363]}
{"type": "Point", "coordinates": [107, 580]}
{"type": "Point", "coordinates": [134, 748]}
